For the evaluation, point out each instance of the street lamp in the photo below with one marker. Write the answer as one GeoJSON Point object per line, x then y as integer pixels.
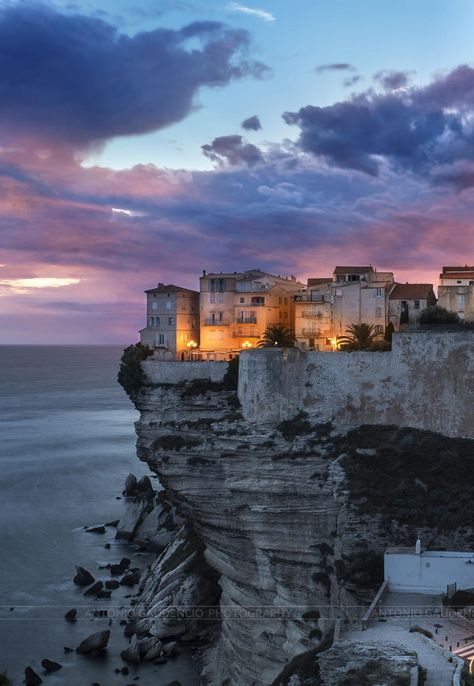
{"type": "Point", "coordinates": [246, 344]}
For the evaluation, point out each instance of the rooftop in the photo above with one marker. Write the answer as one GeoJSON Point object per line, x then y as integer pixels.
{"type": "Point", "coordinates": [353, 270]}
{"type": "Point", "coordinates": [319, 281]}
{"type": "Point", "coordinates": [411, 291]}
{"type": "Point", "coordinates": [170, 288]}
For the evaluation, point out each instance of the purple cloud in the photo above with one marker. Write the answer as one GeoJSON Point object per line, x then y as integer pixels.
{"type": "Point", "coordinates": [335, 66]}
{"type": "Point", "coordinates": [252, 123]}
{"type": "Point", "coordinates": [233, 150]}
{"type": "Point", "coordinates": [413, 130]}
{"type": "Point", "coordinates": [75, 79]}
{"type": "Point", "coordinates": [392, 80]}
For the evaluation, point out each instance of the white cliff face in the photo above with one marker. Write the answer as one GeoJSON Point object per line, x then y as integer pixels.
{"type": "Point", "coordinates": [264, 511]}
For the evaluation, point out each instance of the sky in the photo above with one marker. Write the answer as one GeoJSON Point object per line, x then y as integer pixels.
{"type": "Point", "coordinates": [142, 142]}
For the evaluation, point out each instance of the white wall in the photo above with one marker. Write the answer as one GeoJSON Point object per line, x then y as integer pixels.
{"type": "Point", "coordinates": [429, 572]}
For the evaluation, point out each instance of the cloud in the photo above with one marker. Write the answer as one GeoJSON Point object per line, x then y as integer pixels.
{"type": "Point", "coordinates": [335, 66]}
{"type": "Point", "coordinates": [415, 129]}
{"type": "Point", "coordinates": [392, 80]}
{"type": "Point", "coordinates": [75, 80]}
{"type": "Point", "coordinates": [233, 150]}
{"type": "Point", "coordinates": [252, 123]}
{"type": "Point", "coordinates": [351, 81]}
{"type": "Point", "coordinates": [252, 11]}
{"type": "Point", "coordinates": [25, 285]}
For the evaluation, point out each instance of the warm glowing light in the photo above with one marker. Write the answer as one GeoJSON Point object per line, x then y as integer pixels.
{"type": "Point", "coordinates": [246, 344]}
{"type": "Point", "coordinates": [22, 285]}
{"type": "Point", "coordinates": [192, 344]}
{"type": "Point", "coordinates": [335, 343]}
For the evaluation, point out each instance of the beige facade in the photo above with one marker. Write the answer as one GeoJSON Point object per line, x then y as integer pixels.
{"type": "Point", "coordinates": [172, 322]}
{"type": "Point", "coordinates": [456, 291]}
{"type": "Point", "coordinates": [237, 307]}
{"type": "Point", "coordinates": [313, 324]}
{"type": "Point", "coordinates": [407, 301]}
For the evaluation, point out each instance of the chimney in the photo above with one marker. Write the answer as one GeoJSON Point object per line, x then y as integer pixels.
{"type": "Point", "coordinates": [204, 272]}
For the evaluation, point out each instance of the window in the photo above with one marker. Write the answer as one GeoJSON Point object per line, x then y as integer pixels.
{"type": "Point", "coordinates": [217, 285]}
{"type": "Point", "coordinates": [160, 339]}
{"type": "Point", "coordinates": [221, 316]}
{"type": "Point", "coordinates": [378, 329]}
{"type": "Point", "coordinates": [212, 297]}
{"type": "Point", "coordinates": [220, 297]}
{"type": "Point", "coordinates": [151, 321]}
{"type": "Point", "coordinates": [154, 305]}
{"type": "Point", "coordinates": [378, 311]}
{"type": "Point", "coordinates": [157, 321]}
{"type": "Point", "coordinates": [417, 304]}
{"type": "Point", "coordinates": [168, 304]}
{"type": "Point", "coordinates": [170, 321]}
{"type": "Point", "coordinates": [461, 301]}
{"type": "Point", "coordinates": [193, 324]}
{"type": "Point", "coordinates": [378, 292]}
{"type": "Point", "coordinates": [258, 300]}
{"type": "Point", "coordinates": [242, 300]}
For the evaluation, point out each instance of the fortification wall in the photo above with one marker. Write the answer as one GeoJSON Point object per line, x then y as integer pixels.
{"type": "Point", "coordinates": [174, 372]}
{"type": "Point", "coordinates": [426, 382]}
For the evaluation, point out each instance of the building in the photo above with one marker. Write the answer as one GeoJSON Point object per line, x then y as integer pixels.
{"type": "Point", "coordinates": [360, 295]}
{"type": "Point", "coordinates": [237, 307]}
{"type": "Point", "coordinates": [456, 291]}
{"type": "Point", "coordinates": [407, 301]}
{"type": "Point", "coordinates": [313, 315]}
{"type": "Point", "coordinates": [414, 570]}
{"type": "Point", "coordinates": [172, 322]}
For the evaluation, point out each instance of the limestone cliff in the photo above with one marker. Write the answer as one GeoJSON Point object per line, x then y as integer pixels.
{"type": "Point", "coordinates": [271, 522]}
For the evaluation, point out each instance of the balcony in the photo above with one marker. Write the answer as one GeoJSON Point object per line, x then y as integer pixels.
{"type": "Point", "coordinates": [310, 313]}
{"type": "Point", "coordinates": [311, 332]}
{"type": "Point", "coordinates": [210, 321]}
{"type": "Point", "coordinates": [246, 320]}
{"type": "Point", "coordinates": [245, 333]}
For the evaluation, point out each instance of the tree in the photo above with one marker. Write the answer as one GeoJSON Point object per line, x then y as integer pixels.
{"type": "Point", "coordinates": [277, 336]}
{"type": "Point", "coordinates": [437, 316]}
{"type": "Point", "coordinates": [130, 375]}
{"type": "Point", "coordinates": [389, 329]}
{"type": "Point", "coordinates": [359, 337]}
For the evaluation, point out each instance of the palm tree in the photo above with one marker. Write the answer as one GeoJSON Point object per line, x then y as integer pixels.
{"type": "Point", "coordinates": [359, 337]}
{"type": "Point", "coordinates": [277, 336]}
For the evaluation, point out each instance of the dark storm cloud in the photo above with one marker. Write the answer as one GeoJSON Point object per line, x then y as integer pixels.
{"type": "Point", "coordinates": [232, 149]}
{"type": "Point", "coordinates": [417, 129]}
{"type": "Point", "coordinates": [351, 81]}
{"type": "Point", "coordinates": [392, 80]}
{"type": "Point", "coordinates": [252, 123]}
{"type": "Point", "coordinates": [335, 66]}
{"type": "Point", "coordinates": [76, 79]}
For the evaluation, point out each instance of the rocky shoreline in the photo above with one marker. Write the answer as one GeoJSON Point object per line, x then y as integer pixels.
{"type": "Point", "coordinates": [150, 527]}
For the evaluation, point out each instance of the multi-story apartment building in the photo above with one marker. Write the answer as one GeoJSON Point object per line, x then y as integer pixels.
{"type": "Point", "coordinates": [360, 295]}
{"type": "Point", "coordinates": [237, 307]}
{"type": "Point", "coordinates": [313, 324]}
{"type": "Point", "coordinates": [456, 291]}
{"type": "Point", "coordinates": [172, 322]}
{"type": "Point", "coordinates": [407, 301]}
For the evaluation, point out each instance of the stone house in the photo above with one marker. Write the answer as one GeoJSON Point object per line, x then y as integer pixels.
{"type": "Point", "coordinates": [456, 291]}
{"type": "Point", "coordinates": [407, 301]}
{"type": "Point", "coordinates": [172, 322]}
{"type": "Point", "coordinates": [237, 307]}
{"type": "Point", "coordinates": [313, 315]}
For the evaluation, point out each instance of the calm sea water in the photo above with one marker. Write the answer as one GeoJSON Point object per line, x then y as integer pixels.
{"type": "Point", "coordinates": [66, 445]}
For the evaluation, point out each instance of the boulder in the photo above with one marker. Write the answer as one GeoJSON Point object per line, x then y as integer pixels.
{"type": "Point", "coordinates": [130, 579]}
{"type": "Point", "coordinates": [71, 615]}
{"type": "Point", "coordinates": [135, 512]}
{"type": "Point", "coordinates": [31, 678]}
{"type": "Point", "coordinates": [154, 651]}
{"type": "Point", "coordinates": [145, 486]}
{"type": "Point", "coordinates": [130, 485]}
{"type": "Point", "coordinates": [50, 665]}
{"type": "Point", "coordinates": [83, 577]}
{"type": "Point", "coordinates": [112, 584]}
{"type": "Point", "coordinates": [96, 529]}
{"type": "Point", "coordinates": [132, 653]}
{"type": "Point", "coordinates": [94, 644]}
{"type": "Point", "coordinates": [95, 589]}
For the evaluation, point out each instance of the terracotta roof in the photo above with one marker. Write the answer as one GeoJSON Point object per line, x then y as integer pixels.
{"type": "Point", "coordinates": [170, 288]}
{"type": "Point", "coordinates": [457, 275]}
{"type": "Point", "coordinates": [411, 291]}
{"type": "Point", "coordinates": [319, 281]}
{"type": "Point", "coordinates": [353, 270]}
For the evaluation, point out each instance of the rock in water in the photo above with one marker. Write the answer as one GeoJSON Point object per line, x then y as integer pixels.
{"type": "Point", "coordinates": [50, 665]}
{"type": "Point", "coordinates": [145, 485]}
{"type": "Point", "coordinates": [112, 584]}
{"type": "Point", "coordinates": [83, 577]}
{"type": "Point", "coordinates": [132, 653]}
{"type": "Point", "coordinates": [95, 589]}
{"type": "Point", "coordinates": [130, 579]}
{"type": "Point", "coordinates": [31, 678]}
{"type": "Point", "coordinates": [71, 615]}
{"type": "Point", "coordinates": [94, 644]}
{"type": "Point", "coordinates": [130, 485]}
{"type": "Point", "coordinates": [96, 529]}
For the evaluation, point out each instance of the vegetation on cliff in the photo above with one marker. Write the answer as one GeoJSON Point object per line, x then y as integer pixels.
{"type": "Point", "coordinates": [415, 478]}
{"type": "Point", "coordinates": [130, 375]}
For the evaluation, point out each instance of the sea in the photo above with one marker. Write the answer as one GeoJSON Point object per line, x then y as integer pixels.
{"type": "Point", "coordinates": [67, 443]}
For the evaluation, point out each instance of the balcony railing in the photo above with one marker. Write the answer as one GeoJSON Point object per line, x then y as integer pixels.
{"type": "Point", "coordinates": [311, 332]}
{"type": "Point", "coordinates": [247, 333]}
{"type": "Point", "coordinates": [214, 322]}
{"type": "Point", "coordinates": [247, 320]}
{"type": "Point", "coordinates": [310, 313]}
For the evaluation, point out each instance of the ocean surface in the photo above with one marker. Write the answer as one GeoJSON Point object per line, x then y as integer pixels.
{"type": "Point", "coordinates": [67, 443]}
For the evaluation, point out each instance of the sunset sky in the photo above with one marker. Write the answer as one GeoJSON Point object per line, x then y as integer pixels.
{"type": "Point", "coordinates": [145, 141]}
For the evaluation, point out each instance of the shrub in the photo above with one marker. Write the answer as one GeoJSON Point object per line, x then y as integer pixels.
{"type": "Point", "coordinates": [174, 442]}
{"type": "Point", "coordinates": [4, 680]}
{"type": "Point", "coordinates": [388, 335]}
{"type": "Point", "coordinates": [380, 346]}
{"type": "Point", "coordinates": [436, 315]}
{"type": "Point", "coordinates": [130, 375]}
{"type": "Point", "coordinates": [291, 428]}
{"type": "Point", "coordinates": [231, 377]}
{"type": "Point", "coordinates": [420, 630]}
{"type": "Point", "coordinates": [201, 387]}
